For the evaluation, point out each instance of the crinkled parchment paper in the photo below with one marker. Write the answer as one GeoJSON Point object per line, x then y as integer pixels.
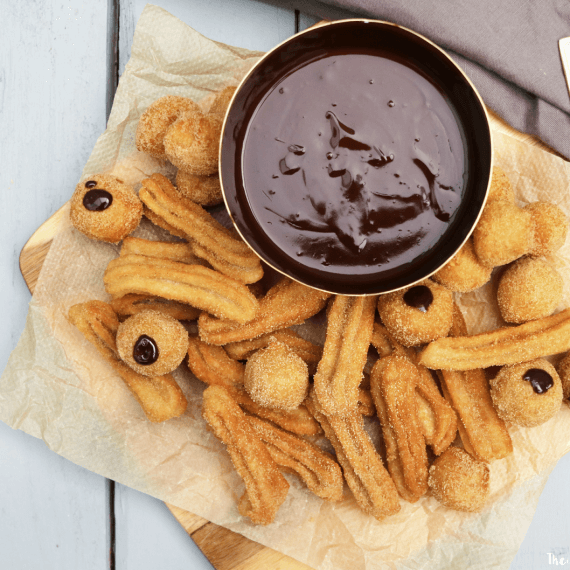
{"type": "Point", "coordinates": [57, 388]}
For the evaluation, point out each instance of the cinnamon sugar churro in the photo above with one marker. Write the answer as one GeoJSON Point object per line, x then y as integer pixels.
{"type": "Point", "coordinates": [195, 285]}
{"type": "Point", "coordinates": [287, 303]}
{"type": "Point", "coordinates": [160, 397]}
{"type": "Point", "coordinates": [265, 487]}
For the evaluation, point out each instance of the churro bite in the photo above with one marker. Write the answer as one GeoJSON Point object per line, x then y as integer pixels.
{"type": "Point", "coordinates": [152, 343]}
{"type": "Point", "coordinates": [157, 119]}
{"type": "Point", "coordinates": [506, 232]}
{"type": "Point", "coordinates": [530, 289]}
{"type": "Point", "coordinates": [551, 227]}
{"type": "Point", "coordinates": [105, 209]}
{"type": "Point", "coordinates": [464, 272]}
{"type": "Point", "coordinates": [191, 143]}
{"type": "Point", "coordinates": [527, 394]}
{"type": "Point", "coordinates": [203, 190]}
{"type": "Point", "coordinates": [418, 314]}
{"type": "Point", "coordinates": [276, 377]}
{"type": "Point", "coordinates": [459, 481]}
{"type": "Point", "coordinates": [222, 101]}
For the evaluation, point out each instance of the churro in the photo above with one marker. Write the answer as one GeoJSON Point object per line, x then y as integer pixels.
{"type": "Point", "coordinates": [287, 303]}
{"type": "Point", "coordinates": [317, 468]}
{"type": "Point", "coordinates": [309, 352]}
{"type": "Point", "coordinates": [349, 328]}
{"type": "Point", "coordinates": [132, 304]}
{"type": "Point", "coordinates": [367, 478]}
{"type": "Point", "coordinates": [175, 251]}
{"type": "Point", "coordinates": [159, 397]}
{"type": "Point", "coordinates": [483, 433]}
{"type": "Point", "coordinates": [210, 240]}
{"type": "Point", "coordinates": [195, 285]}
{"type": "Point", "coordinates": [507, 345]}
{"type": "Point", "coordinates": [265, 487]}
{"type": "Point", "coordinates": [393, 383]}
{"type": "Point", "coordinates": [211, 365]}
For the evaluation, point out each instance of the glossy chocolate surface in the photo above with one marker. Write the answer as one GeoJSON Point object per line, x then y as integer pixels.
{"type": "Point", "coordinates": [540, 380]}
{"type": "Point", "coordinates": [97, 200]}
{"type": "Point", "coordinates": [419, 297]}
{"type": "Point", "coordinates": [145, 350]}
{"type": "Point", "coordinates": [348, 156]}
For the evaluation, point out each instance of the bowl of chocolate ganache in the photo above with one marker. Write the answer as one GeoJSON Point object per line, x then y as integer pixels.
{"type": "Point", "coordinates": [356, 157]}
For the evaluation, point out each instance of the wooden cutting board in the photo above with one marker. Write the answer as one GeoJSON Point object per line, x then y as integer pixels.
{"type": "Point", "coordinates": [225, 549]}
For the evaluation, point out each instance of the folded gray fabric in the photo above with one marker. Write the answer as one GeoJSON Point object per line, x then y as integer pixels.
{"type": "Point", "coordinates": [508, 48]}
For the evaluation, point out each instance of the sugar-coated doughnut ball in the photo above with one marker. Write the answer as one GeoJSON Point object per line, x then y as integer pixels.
{"type": "Point", "coordinates": [530, 289]}
{"type": "Point", "coordinates": [152, 343]}
{"type": "Point", "coordinates": [418, 314]}
{"type": "Point", "coordinates": [527, 394]}
{"type": "Point", "coordinates": [550, 228]}
{"type": "Point", "coordinates": [459, 481]}
{"type": "Point", "coordinates": [222, 101]}
{"type": "Point", "coordinates": [192, 142]}
{"type": "Point", "coordinates": [276, 377]}
{"type": "Point", "coordinates": [105, 209]}
{"type": "Point", "coordinates": [203, 190]}
{"type": "Point", "coordinates": [500, 187]}
{"type": "Point", "coordinates": [157, 119]}
{"type": "Point", "coordinates": [464, 272]}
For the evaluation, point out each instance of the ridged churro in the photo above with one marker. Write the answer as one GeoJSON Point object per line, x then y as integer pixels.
{"type": "Point", "coordinates": [393, 383]}
{"type": "Point", "coordinates": [195, 285]}
{"type": "Point", "coordinates": [265, 487]}
{"type": "Point", "coordinates": [507, 345]}
{"type": "Point", "coordinates": [132, 304]}
{"type": "Point", "coordinates": [210, 240]}
{"type": "Point", "coordinates": [287, 303]}
{"type": "Point", "coordinates": [211, 365]}
{"type": "Point", "coordinates": [349, 328]}
{"type": "Point", "coordinates": [363, 469]}
{"type": "Point", "coordinates": [160, 397]}
{"type": "Point", "coordinates": [317, 468]}
{"type": "Point", "coordinates": [175, 251]}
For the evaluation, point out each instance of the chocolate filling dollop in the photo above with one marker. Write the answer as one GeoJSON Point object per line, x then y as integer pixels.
{"type": "Point", "coordinates": [97, 200]}
{"type": "Point", "coordinates": [145, 350]}
{"type": "Point", "coordinates": [540, 380]}
{"type": "Point", "coordinates": [419, 297]}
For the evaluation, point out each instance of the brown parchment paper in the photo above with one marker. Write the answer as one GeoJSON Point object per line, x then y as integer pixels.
{"type": "Point", "coordinates": [55, 386]}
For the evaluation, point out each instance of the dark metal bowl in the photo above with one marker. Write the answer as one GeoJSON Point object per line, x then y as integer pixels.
{"type": "Point", "coordinates": [360, 36]}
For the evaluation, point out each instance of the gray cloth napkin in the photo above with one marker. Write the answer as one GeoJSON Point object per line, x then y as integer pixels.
{"type": "Point", "coordinates": [508, 48]}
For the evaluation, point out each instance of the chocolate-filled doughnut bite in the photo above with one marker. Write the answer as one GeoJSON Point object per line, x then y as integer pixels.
{"type": "Point", "coordinates": [459, 481]}
{"type": "Point", "coordinates": [418, 314]}
{"type": "Point", "coordinates": [157, 119]}
{"type": "Point", "coordinates": [527, 394]}
{"type": "Point", "coordinates": [152, 343]}
{"type": "Point", "coordinates": [530, 289]}
{"type": "Point", "coordinates": [105, 209]}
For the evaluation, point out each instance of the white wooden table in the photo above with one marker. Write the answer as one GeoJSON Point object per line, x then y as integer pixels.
{"type": "Point", "coordinates": [59, 63]}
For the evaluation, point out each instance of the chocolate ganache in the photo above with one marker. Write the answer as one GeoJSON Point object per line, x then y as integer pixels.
{"type": "Point", "coordinates": [354, 163]}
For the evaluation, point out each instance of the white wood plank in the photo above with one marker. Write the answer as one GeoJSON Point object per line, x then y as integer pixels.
{"type": "Point", "coordinates": [53, 515]}
{"type": "Point", "coordinates": [246, 23]}
{"type": "Point", "coordinates": [149, 537]}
